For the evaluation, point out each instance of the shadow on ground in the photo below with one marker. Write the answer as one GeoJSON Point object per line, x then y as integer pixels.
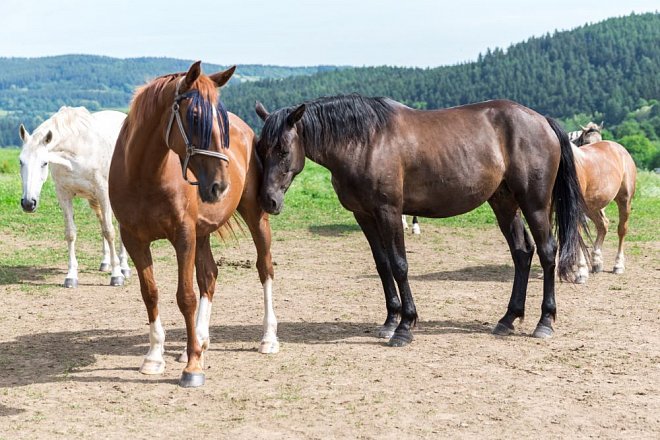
{"type": "Point", "coordinates": [334, 230]}
{"type": "Point", "coordinates": [25, 274]}
{"type": "Point", "coordinates": [54, 357]}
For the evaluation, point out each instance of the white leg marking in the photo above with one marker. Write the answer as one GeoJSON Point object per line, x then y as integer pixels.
{"type": "Point", "coordinates": [269, 343]}
{"type": "Point", "coordinates": [123, 260]}
{"type": "Point", "coordinates": [405, 223]}
{"type": "Point", "coordinates": [202, 324]}
{"type": "Point", "coordinates": [597, 260]}
{"type": "Point", "coordinates": [416, 229]}
{"type": "Point", "coordinates": [105, 261]}
{"type": "Point", "coordinates": [620, 263]}
{"type": "Point", "coordinates": [582, 270]}
{"type": "Point", "coordinates": [153, 362]}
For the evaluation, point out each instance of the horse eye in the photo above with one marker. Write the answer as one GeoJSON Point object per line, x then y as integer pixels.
{"type": "Point", "coordinates": [43, 164]}
{"type": "Point", "coordinates": [20, 162]}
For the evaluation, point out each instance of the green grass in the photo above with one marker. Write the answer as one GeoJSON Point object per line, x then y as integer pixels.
{"type": "Point", "coordinates": [38, 239]}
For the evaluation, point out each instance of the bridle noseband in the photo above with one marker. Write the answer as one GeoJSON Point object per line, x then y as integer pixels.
{"type": "Point", "coordinates": [191, 150]}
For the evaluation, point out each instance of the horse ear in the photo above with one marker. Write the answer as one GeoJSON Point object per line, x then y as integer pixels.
{"type": "Point", "coordinates": [48, 137]}
{"type": "Point", "coordinates": [23, 133]}
{"type": "Point", "coordinates": [295, 115]}
{"type": "Point", "coordinates": [192, 74]}
{"type": "Point", "coordinates": [221, 78]}
{"type": "Point", "coordinates": [261, 111]}
{"type": "Point", "coordinates": [583, 128]}
{"type": "Point", "coordinates": [602, 125]}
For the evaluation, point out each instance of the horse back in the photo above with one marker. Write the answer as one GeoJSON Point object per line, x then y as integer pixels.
{"type": "Point", "coordinates": [471, 150]}
{"type": "Point", "coordinates": [605, 170]}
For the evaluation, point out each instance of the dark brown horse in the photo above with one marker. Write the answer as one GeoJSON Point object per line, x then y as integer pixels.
{"type": "Point", "coordinates": [456, 159]}
{"type": "Point", "coordinates": [606, 173]}
{"type": "Point", "coordinates": [177, 131]}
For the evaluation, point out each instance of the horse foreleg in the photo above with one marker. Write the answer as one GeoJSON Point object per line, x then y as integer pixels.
{"type": "Point", "coordinates": [391, 233]}
{"type": "Point", "coordinates": [184, 242]}
{"type": "Point", "coordinates": [416, 229]}
{"type": "Point", "coordinates": [521, 247]}
{"type": "Point", "coordinates": [601, 222]}
{"type": "Point", "coordinates": [622, 229]}
{"type": "Point", "coordinates": [123, 260]}
{"type": "Point", "coordinates": [66, 202]}
{"type": "Point", "coordinates": [392, 302]}
{"type": "Point", "coordinates": [207, 274]}
{"type": "Point", "coordinates": [259, 226]}
{"type": "Point", "coordinates": [153, 362]}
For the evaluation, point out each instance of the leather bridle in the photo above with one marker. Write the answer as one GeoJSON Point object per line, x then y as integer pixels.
{"type": "Point", "coordinates": [191, 150]}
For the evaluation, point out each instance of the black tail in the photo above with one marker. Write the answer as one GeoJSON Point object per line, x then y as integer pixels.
{"type": "Point", "coordinates": [569, 207]}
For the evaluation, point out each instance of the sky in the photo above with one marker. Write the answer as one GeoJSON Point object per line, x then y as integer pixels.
{"type": "Point", "coordinates": [424, 33]}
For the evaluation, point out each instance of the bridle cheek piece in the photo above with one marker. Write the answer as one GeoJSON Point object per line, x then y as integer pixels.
{"type": "Point", "coordinates": [191, 150]}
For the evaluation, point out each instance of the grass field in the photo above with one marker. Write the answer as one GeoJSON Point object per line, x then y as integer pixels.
{"type": "Point", "coordinates": [310, 203]}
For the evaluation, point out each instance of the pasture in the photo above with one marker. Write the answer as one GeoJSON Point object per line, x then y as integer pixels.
{"type": "Point", "coordinates": [69, 358]}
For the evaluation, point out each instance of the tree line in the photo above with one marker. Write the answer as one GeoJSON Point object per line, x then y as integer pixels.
{"type": "Point", "coordinates": [606, 72]}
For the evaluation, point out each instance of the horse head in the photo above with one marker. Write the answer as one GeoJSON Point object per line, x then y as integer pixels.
{"type": "Point", "coordinates": [197, 130]}
{"type": "Point", "coordinates": [36, 153]}
{"type": "Point", "coordinates": [282, 153]}
{"type": "Point", "coordinates": [591, 133]}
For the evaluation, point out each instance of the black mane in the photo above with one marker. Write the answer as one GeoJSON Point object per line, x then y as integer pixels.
{"type": "Point", "coordinates": [334, 121]}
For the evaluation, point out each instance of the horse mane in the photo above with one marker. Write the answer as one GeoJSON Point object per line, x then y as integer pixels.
{"type": "Point", "coordinates": [333, 121]}
{"type": "Point", "coordinates": [67, 122]}
{"type": "Point", "coordinates": [204, 96]}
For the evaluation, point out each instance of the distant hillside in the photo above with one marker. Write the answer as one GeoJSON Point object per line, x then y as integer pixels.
{"type": "Point", "coordinates": [604, 68]}
{"type": "Point", "coordinates": [31, 89]}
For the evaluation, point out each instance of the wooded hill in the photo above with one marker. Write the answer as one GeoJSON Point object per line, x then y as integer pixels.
{"type": "Point", "coordinates": [608, 71]}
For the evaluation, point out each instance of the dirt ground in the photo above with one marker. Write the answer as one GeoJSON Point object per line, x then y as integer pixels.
{"type": "Point", "coordinates": [69, 358]}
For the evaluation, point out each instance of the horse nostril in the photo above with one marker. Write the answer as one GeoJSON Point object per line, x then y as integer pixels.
{"type": "Point", "coordinates": [273, 203]}
{"type": "Point", "coordinates": [218, 189]}
{"type": "Point", "coordinates": [28, 204]}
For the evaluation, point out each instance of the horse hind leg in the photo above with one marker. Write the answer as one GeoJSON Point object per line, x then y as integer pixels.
{"type": "Point", "coordinates": [104, 214]}
{"type": "Point", "coordinates": [521, 247]}
{"type": "Point", "coordinates": [622, 229]}
{"type": "Point", "coordinates": [540, 227]}
{"type": "Point", "coordinates": [601, 222]}
{"type": "Point", "coordinates": [416, 229]}
{"type": "Point", "coordinates": [259, 226]}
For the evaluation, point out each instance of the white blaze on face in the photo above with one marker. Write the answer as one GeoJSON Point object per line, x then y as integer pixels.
{"type": "Point", "coordinates": [34, 171]}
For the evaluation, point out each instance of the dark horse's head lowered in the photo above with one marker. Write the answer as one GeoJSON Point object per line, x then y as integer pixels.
{"type": "Point", "coordinates": [289, 134]}
{"type": "Point", "coordinates": [197, 130]}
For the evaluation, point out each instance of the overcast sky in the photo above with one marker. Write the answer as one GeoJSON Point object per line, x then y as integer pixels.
{"type": "Point", "coordinates": [292, 32]}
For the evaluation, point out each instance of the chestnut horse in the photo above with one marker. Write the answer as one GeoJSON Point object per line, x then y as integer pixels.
{"type": "Point", "coordinates": [153, 198]}
{"type": "Point", "coordinates": [378, 150]}
{"type": "Point", "coordinates": [606, 173]}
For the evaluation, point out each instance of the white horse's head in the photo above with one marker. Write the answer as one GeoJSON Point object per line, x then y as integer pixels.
{"type": "Point", "coordinates": [35, 156]}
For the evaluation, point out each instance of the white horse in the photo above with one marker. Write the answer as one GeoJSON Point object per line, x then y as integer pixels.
{"type": "Point", "coordinates": [79, 146]}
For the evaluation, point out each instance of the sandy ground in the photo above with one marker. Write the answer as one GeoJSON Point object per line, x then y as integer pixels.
{"type": "Point", "coordinates": [69, 358]}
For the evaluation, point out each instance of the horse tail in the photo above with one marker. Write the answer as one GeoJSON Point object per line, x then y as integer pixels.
{"type": "Point", "coordinates": [569, 206]}
{"type": "Point", "coordinates": [229, 228]}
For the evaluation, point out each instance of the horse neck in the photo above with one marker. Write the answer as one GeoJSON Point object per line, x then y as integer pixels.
{"type": "Point", "coordinates": [146, 155]}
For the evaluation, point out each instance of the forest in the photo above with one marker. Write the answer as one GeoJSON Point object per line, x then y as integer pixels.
{"type": "Point", "coordinates": [606, 72]}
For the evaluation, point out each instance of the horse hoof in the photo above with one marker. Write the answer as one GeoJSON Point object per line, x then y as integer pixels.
{"type": "Point", "coordinates": [104, 267]}
{"type": "Point", "coordinates": [542, 332]}
{"type": "Point", "coordinates": [191, 380]}
{"type": "Point", "coordinates": [152, 367]}
{"type": "Point", "coordinates": [126, 273]}
{"type": "Point", "coordinates": [70, 283]}
{"type": "Point", "coordinates": [386, 331]}
{"type": "Point", "coordinates": [502, 330]}
{"type": "Point", "coordinates": [416, 230]}
{"type": "Point", "coordinates": [597, 268]}
{"type": "Point", "coordinates": [581, 279]}
{"type": "Point", "coordinates": [400, 339]}
{"type": "Point", "coordinates": [618, 270]}
{"type": "Point", "coordinates": [117, 281]}
{"type": "Point", "coordinates": [269, 347]}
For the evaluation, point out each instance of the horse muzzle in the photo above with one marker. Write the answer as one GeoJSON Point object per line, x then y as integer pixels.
{"type": "Point", "coordinates": [29, 204]}
{"type": "Point", "coordinates": [214, 192]}
{"type": "Point", "coordinates": [272, 203]}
